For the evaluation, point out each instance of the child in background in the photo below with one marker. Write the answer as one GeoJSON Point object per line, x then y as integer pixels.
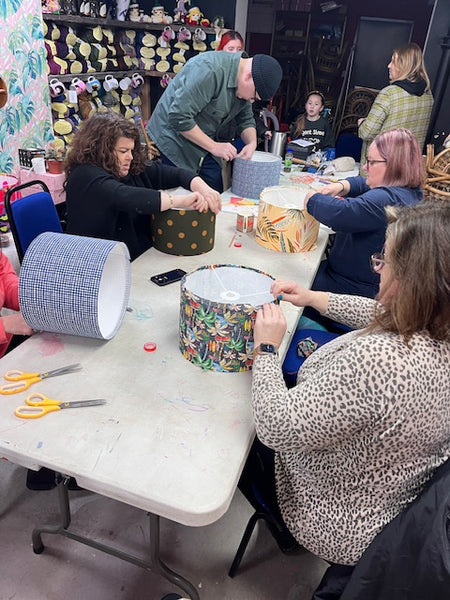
{"type": "Point", "coordinates": [313, 125]}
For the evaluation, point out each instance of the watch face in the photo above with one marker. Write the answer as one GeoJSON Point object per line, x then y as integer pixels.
{"type": "Point", "coordinates": [268, 348]}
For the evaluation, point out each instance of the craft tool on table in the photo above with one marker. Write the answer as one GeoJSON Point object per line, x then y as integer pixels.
{"type": "Point", "coordinates": [21, 381]}
{"type": "Point", "coordinates": [38, 405]}
{"type": "Point", "coordinates": [238, 201]}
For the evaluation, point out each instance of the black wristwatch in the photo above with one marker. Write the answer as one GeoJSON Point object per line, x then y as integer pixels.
{"type": "Point", "coordinates": [265, 349]}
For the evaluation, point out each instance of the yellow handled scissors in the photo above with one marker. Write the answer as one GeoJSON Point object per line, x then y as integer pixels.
{"type": "Point", "coordinates": [21, 381]}
{"type": "Point", "coordinates": [39, 405]}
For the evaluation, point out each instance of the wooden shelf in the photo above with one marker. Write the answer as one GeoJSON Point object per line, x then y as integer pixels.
{"type": "Point", "coordinates": [103, 74]}
{"type": "Point", "coordinates": [108, 23]}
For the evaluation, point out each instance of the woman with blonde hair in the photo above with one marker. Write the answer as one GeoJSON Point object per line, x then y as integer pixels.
{"type": "Point", "coordinates": [406, 102]}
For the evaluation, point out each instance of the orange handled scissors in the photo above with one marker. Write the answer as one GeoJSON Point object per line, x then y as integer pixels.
{"type": "Point", "coordinates": [22, 381]}
{"type": "Point", "coordinates": [39, 405]}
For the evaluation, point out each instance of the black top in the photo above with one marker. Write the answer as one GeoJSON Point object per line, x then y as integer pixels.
{"type": "Point", "coordinates": [101, 206]}
{"type": "Point", "coordinates": [318, 132]}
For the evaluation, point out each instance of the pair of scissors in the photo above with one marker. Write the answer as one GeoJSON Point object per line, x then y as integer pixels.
{"type": "Point", "coordinates": [39, 405]}
{"type": "Point", "coordinates": [22, 381]}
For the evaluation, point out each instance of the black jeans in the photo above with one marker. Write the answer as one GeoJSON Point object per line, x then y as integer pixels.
{"type": "Point", "coordinates": [257, 483]}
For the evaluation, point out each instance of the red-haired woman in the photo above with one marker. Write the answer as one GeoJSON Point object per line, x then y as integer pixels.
{"type": "Point", "coordinates": [394, 176]}
{"type": "Point", "coordinates": [231, 41]}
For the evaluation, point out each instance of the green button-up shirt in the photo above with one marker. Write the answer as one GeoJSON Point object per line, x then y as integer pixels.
{"type": "Point", "coordinates": [203, 93]}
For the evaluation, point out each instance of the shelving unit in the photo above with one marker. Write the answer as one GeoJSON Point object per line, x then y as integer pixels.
{"type": "Point", "coordinates": [115, 23]}
{"type": "Point", "coordinates": [290, 38]}
{"type": "Point", "coordinates": [78, 23]}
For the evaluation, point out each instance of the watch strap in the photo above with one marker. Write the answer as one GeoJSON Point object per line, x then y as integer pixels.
{"type": "Point", "coordinates": [265, 349]}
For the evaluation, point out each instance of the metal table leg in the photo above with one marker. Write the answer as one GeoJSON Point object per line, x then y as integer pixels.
{"type": "Point", "coordinates": [155, 563]}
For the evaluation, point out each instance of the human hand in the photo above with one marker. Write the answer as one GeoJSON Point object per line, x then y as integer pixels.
{"type": "Point", "coordinates": [247, 151]}
{"type": "Point", "coordinates": [194, 201]}
{"type": "Point", "coordinates": [332, 189]}
{"type": "Point", "coordinates": [296, 294]}
{"type": "Point", "coordinates": [224, 150]}
{"type": "Point", "coordinates": [270, 325]}
{"type": "Point", "coordinates": [15, 324]}
{"type": "Point", "coordinates": [211, 196]}
{"type": "Point", "coordinates": [268, 135]}
{"type": "Point", "coordinates": [290, 291]}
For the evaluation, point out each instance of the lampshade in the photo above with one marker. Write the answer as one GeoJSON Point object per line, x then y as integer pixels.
{"type": "Point", "coordinates": [250, 177]}
{"type": "Point", "coordinates": [218, 307]}
{"type": "Point", "coordinates": [75, 285]}
{"type": "Point", "coordinates": [283, 223]}
{"type": "Point", "coordinates": [183, 232]}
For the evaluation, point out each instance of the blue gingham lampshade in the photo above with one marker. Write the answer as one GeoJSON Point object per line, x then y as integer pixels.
{"type": "Point", "coordinates": [250, 177]}
{"type": "Point", "coordinates": [75, 285]}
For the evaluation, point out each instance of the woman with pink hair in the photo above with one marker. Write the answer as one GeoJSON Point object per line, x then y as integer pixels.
{"type": "Point", "coordinates": [354, 209]}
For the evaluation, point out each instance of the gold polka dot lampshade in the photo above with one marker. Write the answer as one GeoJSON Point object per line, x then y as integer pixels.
{"type": "Point", "coordinates": [183, 232]}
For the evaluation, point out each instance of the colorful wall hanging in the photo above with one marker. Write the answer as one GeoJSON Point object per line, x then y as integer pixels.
{"type": "Point", "coordinates": [25, 120]}
{"type": "Point", "coordinates": [183, 232]}
{"type": "Point", "coordinates": [218, 308]}
{"type": "Point", "coordinates": [75, 285]}
{"type": "Point", "coordinates": [250, 177]}
{"type": "Point", "coordinates": [283, 224]}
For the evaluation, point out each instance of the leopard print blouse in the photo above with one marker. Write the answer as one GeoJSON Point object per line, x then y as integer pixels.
{"type": "Point", "coordinates": [366, 425]}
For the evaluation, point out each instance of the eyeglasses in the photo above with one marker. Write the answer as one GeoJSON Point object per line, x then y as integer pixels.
{"type": "Point", "coordinates": [371, 162]}
{"type": "Point", "coordinates": [377, 261]}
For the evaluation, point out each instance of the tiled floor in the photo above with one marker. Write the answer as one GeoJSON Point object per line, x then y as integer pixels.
{"type": "Point", "coordinates": [68, 570]}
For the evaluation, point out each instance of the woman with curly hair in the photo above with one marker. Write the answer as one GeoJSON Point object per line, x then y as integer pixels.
{"type": "Point", "coordinates": [111, 191]}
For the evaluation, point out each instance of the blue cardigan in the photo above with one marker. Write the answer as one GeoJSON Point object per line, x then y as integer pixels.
{"type": "Point", "coordinates": [360, 224]}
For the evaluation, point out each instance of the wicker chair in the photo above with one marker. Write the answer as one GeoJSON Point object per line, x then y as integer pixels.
{"type": "Point", "coordinates": [437, 182]}
{"type": "Point", "coordinates": [358, 105]}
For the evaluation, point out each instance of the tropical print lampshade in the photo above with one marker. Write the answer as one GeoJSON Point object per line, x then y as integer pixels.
{"type": "Point", "coordinates": [218, 307]}
{"type": "Point", "coordinates": [283, 223]}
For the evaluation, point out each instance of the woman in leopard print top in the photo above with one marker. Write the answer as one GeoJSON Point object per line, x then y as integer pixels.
{"type": "Point", "coordinates": [369, 419]}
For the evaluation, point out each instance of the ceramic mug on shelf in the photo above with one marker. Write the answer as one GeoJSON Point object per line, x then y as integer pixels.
{"type": "Point", "coordinates": [136, 80]}
{"type": "Point", "coordinates": [110, 83]}
{"type": "Point", "coordinates": [56, 87]}
{"type": "Point", "coordinates": [78, 85]}
{"type": "Point", "coordinates": [125, 83]}
{"type": "Point", "coordinates": [92, 84]}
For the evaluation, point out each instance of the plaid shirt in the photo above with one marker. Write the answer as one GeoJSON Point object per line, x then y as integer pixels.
{"type": "Point", "coordinates": [394, 108]}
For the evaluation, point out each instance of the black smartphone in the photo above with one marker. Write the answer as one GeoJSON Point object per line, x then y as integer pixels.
{"type": "Point", "coordinates": [168, 277]}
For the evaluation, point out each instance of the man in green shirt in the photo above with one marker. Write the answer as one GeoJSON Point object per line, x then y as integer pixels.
{"type": "Point", "coordinates": [210, 90]}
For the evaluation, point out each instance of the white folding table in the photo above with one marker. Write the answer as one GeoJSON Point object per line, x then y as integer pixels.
{"type": "Point", "coordinates": [172, 439]}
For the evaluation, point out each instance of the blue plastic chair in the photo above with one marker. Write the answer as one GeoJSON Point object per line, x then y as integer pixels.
{"type": "Point", "coordinates": [30, 215]}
